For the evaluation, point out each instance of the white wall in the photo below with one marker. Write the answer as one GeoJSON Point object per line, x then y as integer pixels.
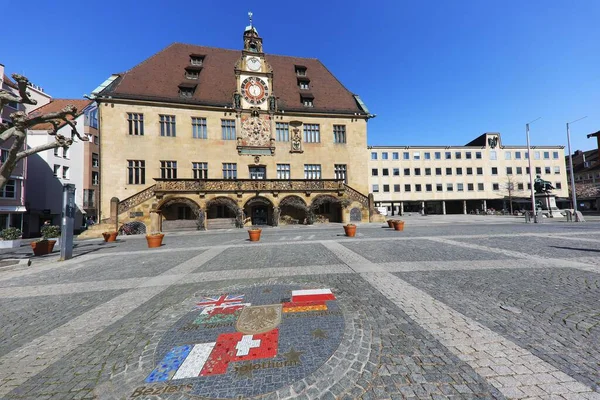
{"type": "Point", "coordinates": [44, 190]}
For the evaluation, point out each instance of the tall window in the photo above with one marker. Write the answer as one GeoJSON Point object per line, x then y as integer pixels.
{"type": "Point", "coordinates": [136, 124]}
{"type": "Point", "coordinates": [480, 186]}
{"type": "Point", "coordinates": [517, 155]}
{"type": "Point", "coordinates": [136, 172]}
{"type": "Point", "coordinates": [199, 128]}
{"type": "Point", "coordinates": [438, 155]}
{"type": "Point", "coordinates": [448, 155]}
{"type": "Point", "coordinates": [546, 155]}
{"type": "Point", "coordinates": [283, 131]}
{"type": "Point", "coordinates": [375, 188]}
{"type": "Point", "coordinates": [200, 170]}
{"type": "Point", "coordinates": [427, 155]}
{"type": "Point", "coordinates": [56, 169]}
{"type": "Point", "coordinates": [384, 155]}
{"type": "Point", "coordinates": [493, 155]}
{"type": "Point", "coordinates": [457, 155]}
{"type": "Point", "coordinates": [312, 133]}
{"type": "Point", "coordinates": [509, 170]}
{"type": "Point", "coordinates": [339, 134]}
{"type": "Point", "coordinates": [406, 155]}
{"type": "Point", "coordinates": [555, 155]}
{"type": "Point", "coordinates": [556, 169]}
{"type": "Point", "coordinates": [283, 171]}
{"type": "Point", "coordinates": [88, 198]}
{"type": "Point", "coordinates": [395, 155]}
{"type": "Point", "coordinates": [95, 178]}
{"type": "Point", "coordinates": [416, 155]}
{"type": "Point", "coordinates": [228, 129]}
{"type": "Point", "coordinates": [519, 170]}
{"type": "Point", "coordinates": [167, 125]}
{"type": "Point", "coordinates": [9, 190]}
{"type": "Point", "coordinates": [468, 155]}
{"type": "Point", "coordinates": [312, 171]}
{"type": "Point", "coordinates": [373, 155]}
{"type": "Point", "coordinates": [229, 171]}
{"type": "Point", "coordinates": [168, 169]}
{"type": "Point", "coordinates": [340, 172]}
{"type": "Point", "coordinates": [95, 160]}
{"type": "Point", "coordinates": [66, 174]}
{"type": "Point", "coordinates": [65, 152]}
{"type": "Point", "coordinates": [478, 155]}
{"type": "Point", "coordinates": [507, 155]}
{"type": "Point", "coordinates": [55, 153]}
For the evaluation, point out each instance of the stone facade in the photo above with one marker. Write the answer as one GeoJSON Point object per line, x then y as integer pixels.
{"type": "Point", "coordinates": [276, 148]}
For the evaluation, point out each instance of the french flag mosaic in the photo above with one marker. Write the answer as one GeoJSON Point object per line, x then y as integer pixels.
{"type": "Point", "coordinates": [274, 335]}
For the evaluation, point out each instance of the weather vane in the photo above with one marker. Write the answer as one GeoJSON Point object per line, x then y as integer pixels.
{"type": "Point", "coordinates": [250, 16]}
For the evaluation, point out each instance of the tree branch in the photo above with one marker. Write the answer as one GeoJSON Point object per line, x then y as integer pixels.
{"type": "Point", "coordinates": [7, 134]}
{"type": "Point", "coordinates": [61, 141]}
{"type": "Point", "coordinates": [22, 83]}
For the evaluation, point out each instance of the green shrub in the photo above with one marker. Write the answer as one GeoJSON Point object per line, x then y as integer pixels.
{"type": "Point", "coordinates": [10, 234]}
{"type": "Point", "coordinates": [50, 231]}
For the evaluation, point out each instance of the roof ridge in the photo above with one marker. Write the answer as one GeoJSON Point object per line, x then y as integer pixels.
{"type": "Point", "coordinates": [239, 50]}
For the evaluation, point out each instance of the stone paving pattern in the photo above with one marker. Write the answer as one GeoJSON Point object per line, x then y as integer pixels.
{"type": "Point", "coordinates": [480, 309]}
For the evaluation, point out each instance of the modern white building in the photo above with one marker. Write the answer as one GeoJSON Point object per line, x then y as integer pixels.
{"type": "Point", "coordinates": [484, 174]}
{"type": "Point", "coordinates": [50, 170]}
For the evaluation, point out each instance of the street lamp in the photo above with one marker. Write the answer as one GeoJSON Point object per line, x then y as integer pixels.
{"type": "Point", "coordinates": [573, 194]}
{"type": "Point", "coordinates": [530, 170]}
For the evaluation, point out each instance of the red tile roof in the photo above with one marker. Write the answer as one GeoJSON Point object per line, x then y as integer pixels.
{"type": "Point", "coordinates": [57, 105]}
{"type": "Point", "coordinates": [158, 78]}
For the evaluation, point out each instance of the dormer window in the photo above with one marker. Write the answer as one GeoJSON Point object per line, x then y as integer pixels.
{"type": "Point", "coordinates": [307, 100]}
{"type": "Point", "coordinates": [186, 90]}
{"type": "Point", "coordinates": [300, 70]}
{"type": "Point", "coordinates": [192, 72]}
{"type": "Point", "coordinates": [197, 59]}
{"type": "Point", "coordinates": [303, 83]}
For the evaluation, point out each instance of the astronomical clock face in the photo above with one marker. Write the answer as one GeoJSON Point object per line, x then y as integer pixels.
{"type": "Point", "coordinates": [255, 90]}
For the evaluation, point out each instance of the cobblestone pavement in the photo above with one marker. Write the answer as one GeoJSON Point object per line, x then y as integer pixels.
{"type": "Point", "coordinates": [477, 309]}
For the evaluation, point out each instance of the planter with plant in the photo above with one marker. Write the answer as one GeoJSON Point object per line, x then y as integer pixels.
{"type": "Point", "coordinates": [11, 238]}
{"type": "Point", "coordinates": [350, 230]}
{"type": "Point", "coordinates": [110, 236]}
{"type": "Point", "coordinates": [254, 234]}
{"type": "Point", "coordinates": [51, 232]}
{"type": "Point", "coordinates": [155, 239]}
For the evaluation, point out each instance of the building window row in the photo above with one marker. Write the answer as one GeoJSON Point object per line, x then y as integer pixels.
{"type": "Point", "coordinates": [136, 171]}
{"type": "Point", "coordinates": [449, 187]}
{"type": "Point", "coordinates": [312, 132]}
{"type": "Point", "coordinates": [459, 155]}
{"type": "Point", "coordinates": [461, 170]}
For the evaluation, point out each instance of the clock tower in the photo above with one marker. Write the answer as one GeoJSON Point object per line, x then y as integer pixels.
{"type": "Point", "coordinates": [254, 100]}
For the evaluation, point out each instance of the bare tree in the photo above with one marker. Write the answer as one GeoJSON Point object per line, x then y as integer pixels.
{"type": "Point", "coordinates": [509, 186]}
{"type": "Point", "coordinates": [16, 130]}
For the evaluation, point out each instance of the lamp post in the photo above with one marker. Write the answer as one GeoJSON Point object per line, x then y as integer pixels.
{"type": "Point", "coordinates": [530, 170]}
{"type": "Point", "coordinates": [573, 194]}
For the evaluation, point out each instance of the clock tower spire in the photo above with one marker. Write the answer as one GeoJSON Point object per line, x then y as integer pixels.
{"type": "Point", "coordinates": [252, 41]}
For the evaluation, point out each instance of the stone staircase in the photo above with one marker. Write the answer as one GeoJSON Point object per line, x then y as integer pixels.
{"type": "Point", "coordinates": [220, 223]}
{"type": "Point", "coordinates": [95, 231]}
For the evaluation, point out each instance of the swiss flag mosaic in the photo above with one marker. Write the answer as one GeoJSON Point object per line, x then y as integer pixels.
{"type": "Point", "coordinates": [210, 349]}
{"type": "Point", "coordinates": [239, 347]}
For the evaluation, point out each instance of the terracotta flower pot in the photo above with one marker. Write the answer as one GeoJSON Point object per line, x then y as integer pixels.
{"type": "Point", "coordinates": [254, 234]}
{"type": "Point", "coordinates": [155, 240]}
{"type": "Point", "coordinates": [110, 236]}
{"type": "Point", "coordinates": [390, 223]}
{"type": "Point", "coordinates": [399, 225]}
{"type": "Point", "coordinates": [43, 247]}
{"type": "Point", "coordinates": [350, 230]}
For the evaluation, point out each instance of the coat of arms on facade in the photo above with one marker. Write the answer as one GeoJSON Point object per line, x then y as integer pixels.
{"type": "Point", "coordinates": [256, 131]}
{"type": "Point", "coordinates": [296, 141]}
{"type": "Point", "coordinates": [493, 141]}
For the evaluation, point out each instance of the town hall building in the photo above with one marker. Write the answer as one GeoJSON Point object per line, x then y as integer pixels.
{"type": "Point", "coordinates": [206, 137]}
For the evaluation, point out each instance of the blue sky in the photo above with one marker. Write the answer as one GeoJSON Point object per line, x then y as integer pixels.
{"type": "Point", "coordinates": [435, 72]}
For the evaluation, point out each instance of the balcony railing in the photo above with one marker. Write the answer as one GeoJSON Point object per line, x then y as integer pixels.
{"type": "Point", "coordinates": [248, 185]}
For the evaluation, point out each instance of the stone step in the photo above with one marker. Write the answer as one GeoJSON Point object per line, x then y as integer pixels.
{"type": "Point", "coordinates": [95, 231]}
{"type": "Point", "coordinates": [220, 223]}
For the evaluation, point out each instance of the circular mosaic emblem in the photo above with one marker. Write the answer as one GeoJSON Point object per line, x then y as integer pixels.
{"type": "Point", "coordinates": [239, 345]}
